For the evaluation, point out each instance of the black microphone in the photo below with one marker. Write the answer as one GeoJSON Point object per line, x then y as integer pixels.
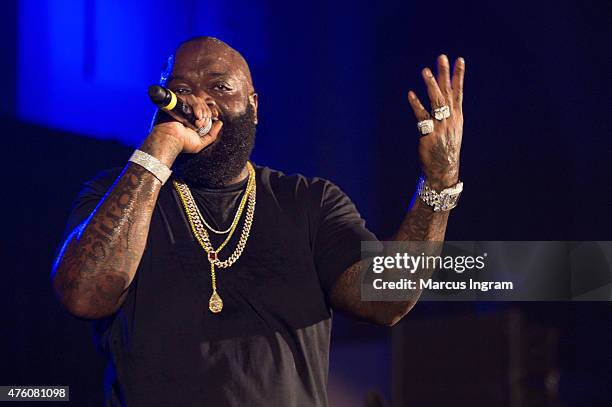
{"type": "Point", "coordinates": [167, 101]}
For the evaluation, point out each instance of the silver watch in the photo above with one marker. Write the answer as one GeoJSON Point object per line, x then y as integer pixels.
{"type": "Point", "coordinates": [442, 201]}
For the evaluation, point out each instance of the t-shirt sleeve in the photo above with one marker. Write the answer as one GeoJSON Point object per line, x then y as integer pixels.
{"type": "Point", "coordinates": [339, 231]}
{"type": "Point", "coordinates": [89, 197]}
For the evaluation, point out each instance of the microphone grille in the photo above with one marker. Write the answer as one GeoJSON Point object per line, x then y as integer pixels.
{"type": "Point", "coordinates": [157, 94]}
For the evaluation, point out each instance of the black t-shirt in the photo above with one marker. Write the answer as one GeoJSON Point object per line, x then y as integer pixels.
{"type": "Point", "coordinates": [270, 344]}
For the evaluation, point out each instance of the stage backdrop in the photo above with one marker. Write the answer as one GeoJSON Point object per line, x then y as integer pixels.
{"type": "Point", "coordinates": [332, 79]}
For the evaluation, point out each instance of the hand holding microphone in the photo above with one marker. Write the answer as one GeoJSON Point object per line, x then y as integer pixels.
{"type": "Point", "coordinates": [195, 125]}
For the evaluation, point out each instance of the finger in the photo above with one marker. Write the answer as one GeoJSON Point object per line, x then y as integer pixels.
{"type": "Point", "coordinates": [417, 107]}
{"type": "Point", "coordinates": [436, 97]}
{"type": "Point", "coordinates": [212, 133]}
{"type": "Point", "coordinates": [444, 77]}
{"type": "Point", "coordinates": [205, 121]}
{"type": "Point", "coordinates": [200, 110]}
{"type": "Point", "coordinates": [458, 74]}
{"type": "Point", "coordinates": [196, 107]}
{"type": "Point", "coordinates": [214, 111]}
{"type": "Point", "coordinates": [197, 143]}
{"type": "Point", "coordinates": [211, 136]}
{"type": "Point", "coordinates": [215, 129]}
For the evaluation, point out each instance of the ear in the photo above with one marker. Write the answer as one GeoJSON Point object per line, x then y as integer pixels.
{"type": "Point", "coordinates": [253, 102]}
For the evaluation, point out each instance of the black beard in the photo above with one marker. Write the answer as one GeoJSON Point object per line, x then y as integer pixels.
{"type": "Point", "coordinates": [221, 162]}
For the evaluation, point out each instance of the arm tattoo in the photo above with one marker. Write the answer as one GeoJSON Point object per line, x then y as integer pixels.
{"type": "Point", "coordinates": [421, 224]}
{"type": "Point", "coordinates": [99, 259]}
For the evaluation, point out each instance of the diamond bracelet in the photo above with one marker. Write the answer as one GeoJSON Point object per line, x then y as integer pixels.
{"type": "Point", "coordinates": [151, 164]}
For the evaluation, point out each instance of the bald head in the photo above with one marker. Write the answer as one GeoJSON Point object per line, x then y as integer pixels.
{"type": "Point", "coordinates": [207, 48]}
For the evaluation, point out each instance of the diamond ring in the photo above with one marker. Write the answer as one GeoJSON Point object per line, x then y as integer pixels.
{"type": "Point", "coordinates": [442, 112]}
{"type": "Point", "coordinates": [426, 126]}
{"type": "Point", "coordinates": [202, 131]}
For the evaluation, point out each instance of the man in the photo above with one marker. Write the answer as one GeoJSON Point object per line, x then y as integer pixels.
{"type": "Point", "coordinates": [217, 287]}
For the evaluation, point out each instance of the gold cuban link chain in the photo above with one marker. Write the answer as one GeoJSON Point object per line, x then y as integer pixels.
{"type": "Point", "coordinates": [215, 303]}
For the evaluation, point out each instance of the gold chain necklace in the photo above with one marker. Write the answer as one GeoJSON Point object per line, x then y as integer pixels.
{"type": "Point", "coordinates": [235, 220]}
{"type": "Point", "coordinates": [215, 304]}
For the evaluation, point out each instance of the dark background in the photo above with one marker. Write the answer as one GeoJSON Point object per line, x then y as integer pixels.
{"type": "Point", "coordinates": [332, 83]}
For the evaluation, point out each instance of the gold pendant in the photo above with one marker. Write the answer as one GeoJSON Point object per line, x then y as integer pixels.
{"type": "Point", "coordinates": [215, 304]}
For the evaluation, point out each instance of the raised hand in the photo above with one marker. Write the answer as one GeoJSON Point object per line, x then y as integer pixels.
{"type": "Point", "coordinates": [439, 149]}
